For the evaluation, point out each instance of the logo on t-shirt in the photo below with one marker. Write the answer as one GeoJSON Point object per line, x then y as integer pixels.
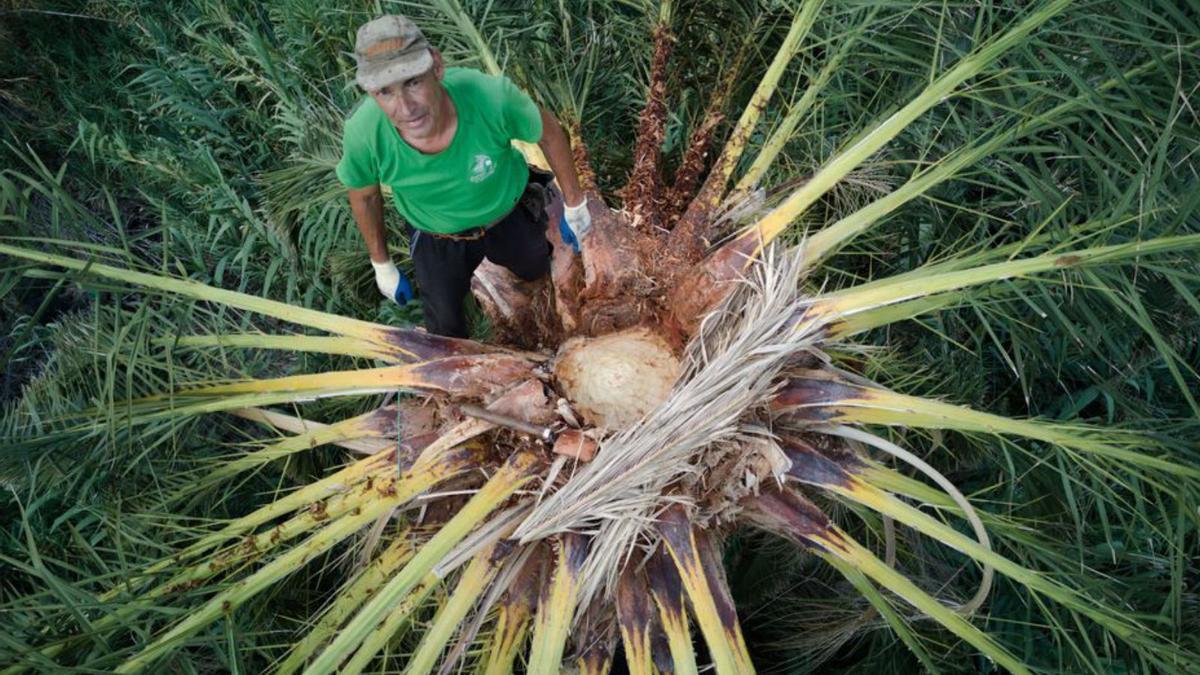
{"type": "Point", "coordinates": [482, 167]}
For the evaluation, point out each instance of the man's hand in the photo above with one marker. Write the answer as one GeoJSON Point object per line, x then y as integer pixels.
{"type": "Point", "coordinates": [392, 283]}
{"type": "Point", "coordinates": [576, 220]}
{"type": "Point", "coordinates": [575, 223]}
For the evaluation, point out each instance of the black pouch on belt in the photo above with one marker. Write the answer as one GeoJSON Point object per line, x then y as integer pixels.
{"type": "Point", "coordinates": [538, 193]}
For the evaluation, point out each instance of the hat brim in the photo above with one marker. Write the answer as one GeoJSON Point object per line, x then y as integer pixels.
{"type": "Point", "coordinates": [373, 77]}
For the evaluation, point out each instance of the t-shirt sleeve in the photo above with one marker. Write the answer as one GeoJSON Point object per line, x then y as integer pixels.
{"type": "Point", "coordinates": [522, 118]}
{"type": "Point", "coordinates": [357, 167]}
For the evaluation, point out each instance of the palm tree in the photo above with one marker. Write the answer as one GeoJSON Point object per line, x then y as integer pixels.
{"type": "Point", "coordinates": [573, 481]}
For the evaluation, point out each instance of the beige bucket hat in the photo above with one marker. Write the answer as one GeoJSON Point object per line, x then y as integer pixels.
{"type": "Point", "coordinates": [389, 49]}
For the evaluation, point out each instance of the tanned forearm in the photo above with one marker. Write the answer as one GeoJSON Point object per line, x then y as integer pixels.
{"type": "Point", "coordinates": [557, 148]}
{"type": "Point", "coordinates": [367, 206]}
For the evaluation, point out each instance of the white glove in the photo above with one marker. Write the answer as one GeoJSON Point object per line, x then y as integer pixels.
{"type": "Point", "coordinates": [578, 218]}
{"type": "Point", "coordinates": [393, 285]}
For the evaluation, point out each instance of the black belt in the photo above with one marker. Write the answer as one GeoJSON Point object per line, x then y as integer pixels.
{"type": "Point", "coordinates": [466, 235]}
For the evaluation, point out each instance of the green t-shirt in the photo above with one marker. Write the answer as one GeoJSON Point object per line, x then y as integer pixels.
{"type": "Point", "coordinates": [475, 181]}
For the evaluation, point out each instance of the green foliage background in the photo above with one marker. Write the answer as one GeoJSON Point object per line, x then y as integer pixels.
{"type": "Point", "coordinates": [199, 139]}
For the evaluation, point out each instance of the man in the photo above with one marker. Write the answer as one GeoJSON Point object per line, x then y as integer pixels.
{"type": "Point", "coordinates": [441, 138]}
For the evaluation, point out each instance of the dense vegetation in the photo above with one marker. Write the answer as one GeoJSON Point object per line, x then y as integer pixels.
{"type": "Point", "coordinates": [198, 139]}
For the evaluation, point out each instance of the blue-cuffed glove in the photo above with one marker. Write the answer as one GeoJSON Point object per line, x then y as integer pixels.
{"type": "Point", "coordinates": [404, 292]}
{"type": "Point", "coordinates": [568, 237]}
{"type": "Point", "coordinates": [391, 283]}
{"type": "Point", "coordinates": [575, 223]}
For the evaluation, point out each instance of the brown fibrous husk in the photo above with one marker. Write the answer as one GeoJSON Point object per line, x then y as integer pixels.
{"type": "Point", "coordinates": [643, 193]}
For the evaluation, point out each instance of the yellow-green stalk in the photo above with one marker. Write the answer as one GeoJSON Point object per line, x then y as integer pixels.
{"type": "Point", "coordinates": [514, 473]}
{"type": "Point", "coordinates": [723, 168]}
{"type": "Point", "coordinates": [635, 618]}
{"type": "Point", "coordinates": [299, 425]}
{"type": "Point", "coordinates": [787, 127]}
{"type": "Point", "coordinates": [891, 506]}
{"type": "Point", "coordinates": [249, 548]}
{"type": "Point", "coordinates": [889, 314]}
{"type": "Point", "coordinates": [710, 606]}
{"type": "Point", "coordinates": [508, 636]}
{"type": "Point", "coordinates": [345, 346]}
{"type": "Point", "coordinates": [881, 605]}
{"type": "Point", "coordinates": [471, 584]}
{"type": "Point", "coordinates": [772, 224]}
{"type": "Point", "coordinates": [840, 304]}
{"type": "Point", "coordinates": [826, 242]}
{"type": "Point", "coordinates": [241, 591]}
{"type": "Point", "coordinates": [396, 619]}
{"type": "Point", "coordinates": [348, 599]}
{"type": "Point", "coordinates": [344, 381]}
{"type": "Point", "coordinates": [858, 557]}
{"type": "Point", "coordinates": [193, 289]}
{"type": "Point", "coordinates": [556, 608]}
{"type": "Point", "coordinates": [420, 478]}
{"type": "Point", "coordinates": [794, 517]}
{"type": "Point", "coordinates": [375, 424]}
{"type": "Point", "coordinates": [862, 404]}
{"type": "Point", "coordinates": [364, 495]}
{"type": "Point", "coordinates": [339, 482]}
{"type": "Point", "coordinates": [513, 618]}
{"type": "Point", "coordinates": [667, 590]}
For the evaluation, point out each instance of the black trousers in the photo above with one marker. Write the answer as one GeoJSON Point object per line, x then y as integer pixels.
{"type": "Point", "coordinates": [444, 266]}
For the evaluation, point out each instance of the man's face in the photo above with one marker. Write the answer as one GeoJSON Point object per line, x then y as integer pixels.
{"type": "Point", "coordinates": [415, 106]}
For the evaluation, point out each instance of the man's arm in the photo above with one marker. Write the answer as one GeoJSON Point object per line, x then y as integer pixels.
{"type": "Point", "coordinates": [367, 206]}
{"type": "Point", "coordinates": [557, 148]}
